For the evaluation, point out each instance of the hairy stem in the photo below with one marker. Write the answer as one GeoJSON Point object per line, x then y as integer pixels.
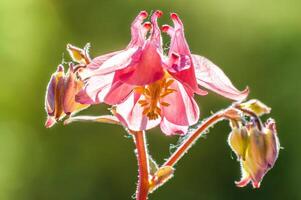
{"type": "Point", "coordinates": [192, 138]}
{"type": "Point", "coordinates": [142, 158]}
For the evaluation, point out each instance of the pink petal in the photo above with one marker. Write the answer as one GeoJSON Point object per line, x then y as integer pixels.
{"type": "Point", "coordinates": [103, 88]}
{"type": "Point", "coordinates": [138, 31]}
{"type": "Point", "coordinates": [52, 90]}
{"type": "Point", "coordinates": [243, 182]}
{"type": "Point", "coordinates": [146, 69]}
{"type": "Point", "coordinates": [94, 86]}
{"type": "Point", "coordinates": [98, 61]}
{"type": "Point", "coordinates": [50, 122]}
{"type": "Point", "coordinates": [130, 114]}
{"type": "Point", "coordinates": [117, 93]}
{"type": "Point", "coordinates": [172, 129]}
{"type": "Point", "coordinates": [213, 78]}
{"type": "Point", "coordinates": [182, 109]}
{"type": "Point", "coordinates": [115, 61]}
{"type": "Point", "coordinates": [180, 64]}
{"type": "Point", "coordinates": [111, 62]}
{"type": "Point", "coordinates": [147, 65]}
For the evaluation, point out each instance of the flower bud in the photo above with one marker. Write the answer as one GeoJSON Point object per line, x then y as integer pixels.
{"type": "Point", "coordinates": [261, 151]}
{"type": "Point", "coordinates": [60, 95]}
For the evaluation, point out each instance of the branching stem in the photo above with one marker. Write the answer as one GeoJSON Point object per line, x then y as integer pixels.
{"type": "Point", "coordinates": [193, 137]}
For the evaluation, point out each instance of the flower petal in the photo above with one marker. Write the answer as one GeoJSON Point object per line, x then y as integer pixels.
{"type": "Point", "coordinates": [182, 109]}
{"type": "Point", "coordinates": [213, 78]}
{"type": "Point", "coordinates": [146, 69]}
{"type": "Point", "coordinates": [146, 66]}
{"type": "Point", "coordinates": [103, 88]}
{"type": "Point", "coordinates": [138, 31]}
{"type": "Point", "coordinates": [180, 64]}
{"type": "Point", "coordinates": [172, 129]}
{"type": "Point", "coordinates": [109, 63]}
{"type": "Point", "coordinates": [130, 114]}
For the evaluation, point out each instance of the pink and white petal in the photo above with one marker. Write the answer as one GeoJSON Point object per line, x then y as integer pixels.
{"type": "Point", "coordinates": [182, 109]}
{"type": "Point", "coordinates": [93, 86]}
{"type": "Point", "coordinates": [116, 93]}
{"type": "Point", "coordinates": [130, 114]}
{"type": "Point", "coordinates": [169, 128]}
{"type": "Point", "coordinates": [104, 88]}
{"type": "Point", "coordinates": [116, 62]}
{"type": "Point", "coordinates": [213, 78]}
{"type": "Point", "coordinates": [98, 61]}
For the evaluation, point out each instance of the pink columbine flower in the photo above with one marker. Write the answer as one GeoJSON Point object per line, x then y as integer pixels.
{"type": "Point", "coordinates": [149, 88]}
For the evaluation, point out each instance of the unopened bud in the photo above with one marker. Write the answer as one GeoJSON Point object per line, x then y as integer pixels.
{"type": "Point", "coordinates": [60, 95]}
{"type": "Point", "coordinates": [260, 154]}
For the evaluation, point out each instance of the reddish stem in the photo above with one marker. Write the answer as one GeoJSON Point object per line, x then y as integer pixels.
{"type": "Point", "coordinates": [186, 145]}
{"type": "Point", "coordinates": [143, 184]}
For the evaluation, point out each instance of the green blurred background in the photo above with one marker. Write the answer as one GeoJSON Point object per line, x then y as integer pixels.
{"type": "Point", "coordinates": [257, 43]}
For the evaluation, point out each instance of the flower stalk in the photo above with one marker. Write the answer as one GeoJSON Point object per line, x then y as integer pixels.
{"type": "Point", "coordinates": [194, 136]}
{"type": "Point", "coordinates": [143, 167]}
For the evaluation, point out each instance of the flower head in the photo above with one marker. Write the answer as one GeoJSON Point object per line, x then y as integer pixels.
{"type": "Point", "coordinates": [150, 88]}
{"type": "Point", "coordinates": [257, 151]}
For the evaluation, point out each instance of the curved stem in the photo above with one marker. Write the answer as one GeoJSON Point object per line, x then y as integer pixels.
{"type": "Point", "coordinates": [142, 158]}
{"type": "Point", "coordinates": [186, 145]}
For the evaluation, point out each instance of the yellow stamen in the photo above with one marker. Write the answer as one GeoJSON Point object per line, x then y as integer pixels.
{"type": "Point", "coordinates": [153, 93]}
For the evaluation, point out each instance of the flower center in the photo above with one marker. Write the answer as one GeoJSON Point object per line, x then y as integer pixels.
{"type": "Point", "coordinates": [153, 94]}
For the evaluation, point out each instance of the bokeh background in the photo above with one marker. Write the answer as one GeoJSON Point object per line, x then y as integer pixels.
{"type": "Point", "coordinates": [257, 43]}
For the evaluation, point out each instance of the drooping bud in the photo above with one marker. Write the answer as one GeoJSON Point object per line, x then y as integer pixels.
{"type": "Point", "coordinates": [60, 95]}
{"type": "Point", "coordinates": [261, 152]}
